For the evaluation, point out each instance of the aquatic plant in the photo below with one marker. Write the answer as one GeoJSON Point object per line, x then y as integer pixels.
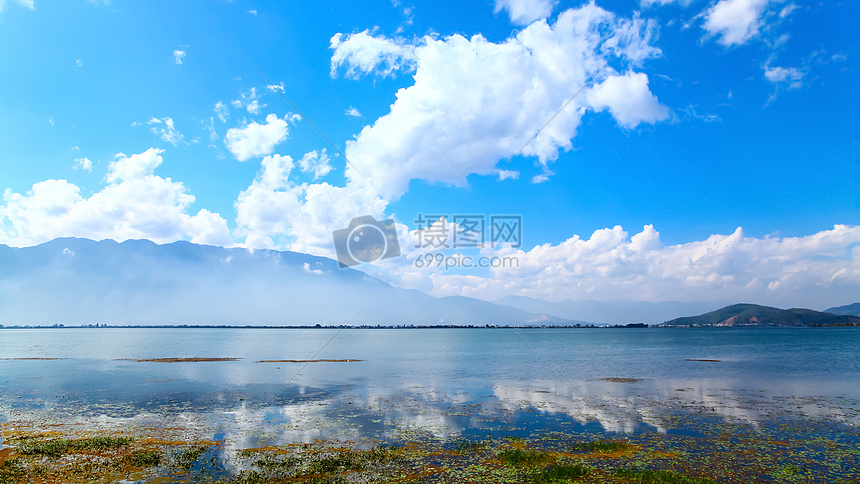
{"type": "Point", "coordinates": [56, 447]}
{"type": "Point", "coordinates": [516, 457]}
{"type": "Point", "coordinates": [469, 446]}
{"type": "Point", "coordinates": [600, 446]}
{"type": "Point", "coordinates": [646, 476]}
{"type": "Point", "coordinates": [561, 473]}
{"type": "Point", "coordinates": [145, 458]}
{"type": "Point", "coordinates": [185, 458]}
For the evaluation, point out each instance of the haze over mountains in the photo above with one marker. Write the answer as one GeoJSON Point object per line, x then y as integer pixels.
{"type": "Point", "coordinates": [80, 281]}
{"type": "Point", "coordinates": [75, 281]}
{"type": "Point", "coordinates": [612, 312]}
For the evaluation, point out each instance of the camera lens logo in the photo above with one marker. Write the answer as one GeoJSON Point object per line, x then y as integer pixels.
{"type": "Point", "coordinates": [365, 240]}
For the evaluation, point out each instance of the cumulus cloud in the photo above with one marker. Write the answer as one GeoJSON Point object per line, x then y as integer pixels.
{"type": "Point", "coordinates": [628, 99]}
{"type": "Point", "coordinates": [362, 53]}
{"type": "Point", "coordinates": [178, 55]}
{"type": "Point", "coordinates": [783, 271]}
{"type": "Point", "coordinates": [316, 163]}
{"type": "Point", "coordinates": [135, 203]}
{"type": "Point", "coordinates": [524, 12]}
{"type": "Point", "coordinates": [735, 21]}
{"type": "Point", "coordinates": [352, 112]}
{"type": "Point", "coordinates": [475, 102]}
{"type": "Point", "coordinates": [274, 212]}
{"type": "Point", "coordinates": [165, 129]}
{"type": "Point", "coordinates": [256, 139]}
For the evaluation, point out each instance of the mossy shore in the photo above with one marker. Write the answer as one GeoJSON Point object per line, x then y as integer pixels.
{"type": "Point", "coordinates": [58, 453]}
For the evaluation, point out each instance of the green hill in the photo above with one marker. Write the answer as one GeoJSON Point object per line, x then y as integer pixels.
{"type": "Point", "coordinates": [755, 315]}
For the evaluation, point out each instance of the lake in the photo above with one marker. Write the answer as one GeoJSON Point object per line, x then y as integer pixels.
{"type": "Point", "coordinates": [436, 385]}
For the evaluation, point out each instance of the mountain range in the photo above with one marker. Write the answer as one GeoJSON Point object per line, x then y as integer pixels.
{"type": "Point", "coordinates": [74, 281]}
{"type": "Point", "coordinates": [80, 281]}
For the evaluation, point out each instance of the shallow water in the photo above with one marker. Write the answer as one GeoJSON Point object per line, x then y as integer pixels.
{"type": "Point", "coordinates": [446, 382]}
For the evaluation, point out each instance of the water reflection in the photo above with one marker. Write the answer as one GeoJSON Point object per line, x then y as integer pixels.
{"type": "Point", "coordinates": [437, 385]}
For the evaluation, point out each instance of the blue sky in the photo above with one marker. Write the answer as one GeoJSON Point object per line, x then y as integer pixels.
{"type": "Point", "coordinates": [710, 115]}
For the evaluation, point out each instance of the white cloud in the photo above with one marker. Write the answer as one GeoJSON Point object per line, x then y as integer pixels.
{"type": "Point", "coordinates": [83, 164]}
{"type": "Point", "coordinates": [256, 139]}
{"type": "Point", "coordinates": [252, 12]}
{"type": "Point", "coordinates": [540, 178]}
{"type": "Point", "coordinates": [352, 112]}
{"type": "Point", "coordinates": [23, 3]}
{"type": "Point", "coordinates": [505, 174]}
{"type": "Point", "coordinates": [787, 10]}
{"type": "Point", "coordinates": [649, 3]}
{"type": "Point", "coordinates": [362, 53]}
{"type": "Point", "coordinates": [307, 268]}
{"type": "Point", "coordinates": [276, 87]}
{"type": "Point", "coordinates": [784, 79]}
{"type": "Point", "coordinates": [134, 167]}
{"type": "Point", "coordinates": [135, 203]}
{"type": "Point", "coordinates": [782, 271]}
{"type": "Point", "coordinates": [276, 213]}
{"type": "Point", "coordinates": [208, 228]}
{"type": "Point", "coordinates": [250, 100]}
{"type": "Point", "coordinates": [51, 120]}
{"type": "Point", "coordinates": [475, 102]}
{"type": "Point", "coordinates": [316, 163]}
{"type": "Point", "coordinates": [628, 99]}
{"type": "Point", "coordinates": [735, 21]}
{"type": "Point", "coordinates": [178, 55]}
{"type": "Point", "coordinates": [221, 111]}
{"type": "Point", "coordinates": [165, 129]}
{"type": "Point", "coordinates": [790, 76]}
{"type": "Point", "coordinates": [79, 63]}
{"type": "Point", "coordinates": [524, 12]}
{"type": "Point", "coordinates": [254, 107]}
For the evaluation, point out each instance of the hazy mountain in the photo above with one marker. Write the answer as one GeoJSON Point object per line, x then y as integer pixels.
{"type": "Point", "coordinates": [80, 281]}
{"type": "Point", "coordinates": [612, 312]}
{"type": "Point", "coordinates": [847, 310]}
{"type": "Point", "coordinates": [755, 315]}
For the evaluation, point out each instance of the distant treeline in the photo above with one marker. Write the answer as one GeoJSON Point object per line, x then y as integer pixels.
{"type": "Point", "coordinates": [338, 326]}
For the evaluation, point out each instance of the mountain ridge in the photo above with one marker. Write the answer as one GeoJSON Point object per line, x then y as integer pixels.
{"type": "Point", "coordinates": [81, 281]}
{"type": "Point", "coordinates": [846, 310]}
{"type": "Point", "coordinates": [745, 314]}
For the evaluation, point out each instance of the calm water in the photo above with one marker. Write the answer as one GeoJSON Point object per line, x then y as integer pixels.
{"type": "Point", "coordinates": [442, 382]}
